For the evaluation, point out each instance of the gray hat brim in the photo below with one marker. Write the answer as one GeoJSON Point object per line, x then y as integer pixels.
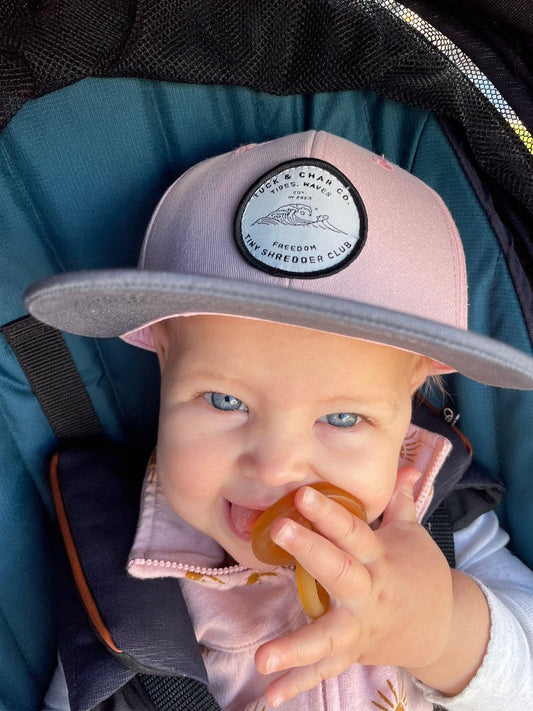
{"type": "Point", "coordinates": [109, 303]}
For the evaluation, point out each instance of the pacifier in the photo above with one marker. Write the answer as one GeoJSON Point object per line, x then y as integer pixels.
{"type": "Point", "coordinates": [314, 599]}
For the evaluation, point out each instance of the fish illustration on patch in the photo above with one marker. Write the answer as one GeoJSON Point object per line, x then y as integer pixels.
{"type": "Point", "coordinates": [297, 215]}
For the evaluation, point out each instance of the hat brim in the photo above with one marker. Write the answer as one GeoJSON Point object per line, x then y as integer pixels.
{"type": "Point", "coordinates": [109, 303]}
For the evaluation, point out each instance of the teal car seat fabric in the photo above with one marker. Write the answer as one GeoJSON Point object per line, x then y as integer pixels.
{"type": "Point", "coordinates": [81, 170]}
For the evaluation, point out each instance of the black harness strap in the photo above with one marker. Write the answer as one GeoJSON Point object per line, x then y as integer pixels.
{"type": "Point", "coordinates": [57, 385]}
{"type": "Point", "coordinates": [439, 527]}
{"type": "Point", "coordinates": [166, 695]}
{"type": "Point", "coordinates": [54, 378]}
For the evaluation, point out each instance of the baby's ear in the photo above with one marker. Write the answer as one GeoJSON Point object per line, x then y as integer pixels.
{"type": "Point", "coordinates": [421, 372]}
{"type": "Point", "coordinates": [160, 341]}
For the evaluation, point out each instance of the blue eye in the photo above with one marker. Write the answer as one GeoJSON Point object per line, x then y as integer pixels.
{"type": "Point", "coordinates": [341, 419]}
{"type": "Point", "coordinates": [222, 401]}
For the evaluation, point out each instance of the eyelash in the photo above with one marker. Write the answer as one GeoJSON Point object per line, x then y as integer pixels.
{"type": "Point", "coordinates": [215, 399]}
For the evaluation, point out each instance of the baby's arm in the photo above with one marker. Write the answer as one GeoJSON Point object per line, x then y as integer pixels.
{"type": "Point", "coordinates": [505, 679]}
{"type": "Point", "coordinates": [394, 602]}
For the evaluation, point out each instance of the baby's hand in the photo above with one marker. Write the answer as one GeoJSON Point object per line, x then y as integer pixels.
{"type": "Point", "coordinates": [391, 592]}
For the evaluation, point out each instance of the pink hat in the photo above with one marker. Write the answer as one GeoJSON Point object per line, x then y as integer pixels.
{"type": "Point", "coordinates": [309, 230]}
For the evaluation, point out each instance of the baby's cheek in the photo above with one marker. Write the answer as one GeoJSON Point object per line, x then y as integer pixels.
{"type": "Point", "coordinates": [183, 496]}
{"type": "Point", "coordinates": [372, 483]}
{"type": "Point", "coordinates": [193, 470]}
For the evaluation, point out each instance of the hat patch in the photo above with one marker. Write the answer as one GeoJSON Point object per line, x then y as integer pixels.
{"type": "Point", "coordinates": [302, 219]}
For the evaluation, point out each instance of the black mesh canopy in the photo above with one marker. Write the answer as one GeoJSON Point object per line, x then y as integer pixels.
{"type": "Point", "coordinates": [299, 47]}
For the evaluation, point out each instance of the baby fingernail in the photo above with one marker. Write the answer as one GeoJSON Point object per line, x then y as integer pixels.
{"type": "Point", "coordinates": [272, 663]}
{"type": "Point", "coordinates": [416, 476]}
{"type": "Point", "coordinates": [309, 497]}
{"type": "Point", "coordinates": [285, 533]}
{"type": "Point", "coordinates": [414, 479]}
{"type": "Point", "coordinates": [410, 483]}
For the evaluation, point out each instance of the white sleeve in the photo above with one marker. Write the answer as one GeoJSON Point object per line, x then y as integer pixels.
{"type": "Point", "coordinates": [56, 698]}
{"type": "Point", "coordinates": [505, 678]}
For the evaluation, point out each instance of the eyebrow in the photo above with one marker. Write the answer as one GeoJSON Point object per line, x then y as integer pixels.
{"type": "Point", "coordinates": [212, 376]}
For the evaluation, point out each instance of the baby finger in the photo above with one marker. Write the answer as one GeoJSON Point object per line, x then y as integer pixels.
{"type": "Point", "coordinates": [301, 679]}
{"type": "Point", "coordinates": [330, 636]}
{"type": "Point", "coordinates": [345, 527]}
{"type": "Point", "coordinates": [339, 573]}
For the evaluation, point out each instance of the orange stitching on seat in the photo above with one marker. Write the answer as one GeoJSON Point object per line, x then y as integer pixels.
{"type": "Point", "coordinates": [75, 564]}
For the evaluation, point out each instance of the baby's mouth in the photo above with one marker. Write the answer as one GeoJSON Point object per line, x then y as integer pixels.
{"type": "Point", "coordinates": [243, 518]}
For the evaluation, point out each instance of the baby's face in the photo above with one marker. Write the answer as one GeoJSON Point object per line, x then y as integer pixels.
{"type": "Point", "coordinates": [252, 410]}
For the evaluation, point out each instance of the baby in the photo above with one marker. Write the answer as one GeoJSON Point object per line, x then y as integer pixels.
{"type": "Point", "coordinates": [298, 294]}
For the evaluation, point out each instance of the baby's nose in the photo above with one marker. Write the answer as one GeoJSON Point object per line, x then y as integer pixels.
{"type": "Point", "coordinates": [281, 459]}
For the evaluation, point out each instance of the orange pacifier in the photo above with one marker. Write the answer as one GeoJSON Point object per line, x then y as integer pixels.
{"type": "Point", "coordinates": [315, 600]}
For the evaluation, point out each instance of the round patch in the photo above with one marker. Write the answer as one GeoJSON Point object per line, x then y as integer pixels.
{"type": "Point", "coordinates": [302, 219]}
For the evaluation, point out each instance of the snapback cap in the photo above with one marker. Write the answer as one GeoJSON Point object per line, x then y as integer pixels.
{"type": "Point", "coordinates": [308, 230]}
